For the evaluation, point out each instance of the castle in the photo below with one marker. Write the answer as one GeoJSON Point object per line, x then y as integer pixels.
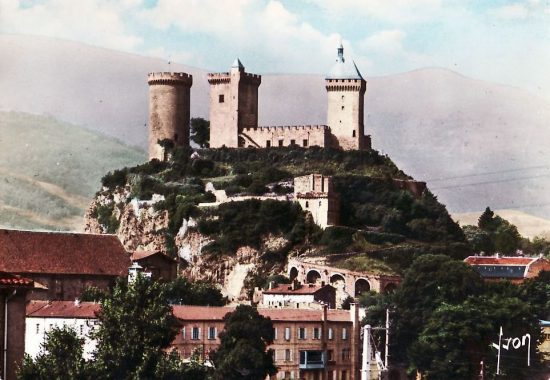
{"type": "Point", "coordinates": [234, 111]}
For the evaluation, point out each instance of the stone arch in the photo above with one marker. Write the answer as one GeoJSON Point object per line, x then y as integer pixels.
{"type": "Point", "coordinates": [313, 276]}
{"type": "Point", "coordinates": [337, 280]}
{"type": "Point", "coordinates": [293, 273]}
{"type": "Point", "coordinates": [362, 285]}
{"type": "Point", "coordinates": [390, 288]}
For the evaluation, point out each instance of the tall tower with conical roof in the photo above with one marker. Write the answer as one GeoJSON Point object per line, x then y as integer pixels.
{"type": "Point", "coordinates": [233, 105]}
{"type": "Point", "coordinates": [346, 97]}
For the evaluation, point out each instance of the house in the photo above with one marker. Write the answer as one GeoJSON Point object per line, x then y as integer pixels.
{"type": "Point", "coordinates": [13, 293]}
{"type": "Point", "coordinates": [157, 263]}
{"type": "Point", "coordinates": [510, 268]}
{"type": "Point", "coordinates": [64, 262]}
{"type": "Point", "coordinates": [298, 296]}
{"type": "Point", "coordinates": [43, 316]}
{"type": "Point", "coordinates": [308, 344]}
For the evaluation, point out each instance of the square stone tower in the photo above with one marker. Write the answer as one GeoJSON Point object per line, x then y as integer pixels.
{"type": "Point", "coordinates": [346, 97]}
{"type": "Point", "coordinates": [233, 105]}
{"type": "Point", "coordinates": [169, 110]}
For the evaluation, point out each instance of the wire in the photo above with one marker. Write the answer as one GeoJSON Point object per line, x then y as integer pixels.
{"type": "Point", "coordinates": [489, 173]}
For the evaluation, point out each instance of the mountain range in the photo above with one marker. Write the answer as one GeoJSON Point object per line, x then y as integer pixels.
{"type": "Point", "coordinates": [476, 143]}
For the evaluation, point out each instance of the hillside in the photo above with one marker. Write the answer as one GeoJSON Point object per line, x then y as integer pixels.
{"type": "Point", "coordinates": [176, 207]}
{"type": "Point", "coordinates": [466, 137]}
{"type": "Point", "coordinates": [50, 170]}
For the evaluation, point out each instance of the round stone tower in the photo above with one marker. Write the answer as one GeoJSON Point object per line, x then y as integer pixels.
{"type": "Point", "coordinates": [169, 110]}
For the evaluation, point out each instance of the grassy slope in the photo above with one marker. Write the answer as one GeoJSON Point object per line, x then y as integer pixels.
{"type": "Point", "coordinates": [50, 170]}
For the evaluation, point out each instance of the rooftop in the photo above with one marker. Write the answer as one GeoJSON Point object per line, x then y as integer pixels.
{"type": "Point", "coordinates": [343, 69]}
{"type": "Point", "coordinates": [62, 253]}
{"type": "Point", "coordinates": [500, 260]}
{"type": "Point", "coordinates": [12, 280]}
{"type": "Point", "coordinates": [216, 313]}
{"type": "Point", "coordinates": [302, 289]}
{"type": "Point", "coordinates": [62, 309]}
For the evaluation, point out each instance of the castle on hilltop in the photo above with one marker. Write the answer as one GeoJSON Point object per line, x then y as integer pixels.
{"type": "Point", "coordinates": [234, 111]}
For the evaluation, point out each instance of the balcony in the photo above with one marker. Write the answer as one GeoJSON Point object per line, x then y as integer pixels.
{"type": "Point", "coordinates": [312, 359]}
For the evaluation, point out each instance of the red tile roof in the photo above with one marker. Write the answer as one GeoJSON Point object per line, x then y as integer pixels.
{"type": "Point", "coordinates": [62, 309]}
{"type": "Point", "coordinates": [500, 260]}
{"type": "Point", "coordinates": [213, 313]}
{"type": "Point", "coordinates": [303, 289]}
{"type": "Point", "coordinates": [62, 253]}
{"type": "Point", "coordinates": [139, 255]}
{"type": "Point", "coordinates": [13, 280]}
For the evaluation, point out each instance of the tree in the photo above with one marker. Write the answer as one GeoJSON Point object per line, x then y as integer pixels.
{"type": "Point", "coordinates": [183, 292]}
{"type": "Point", "coordinates": [486, 220]}
{"type": "Point", "coordinates": [243, 353]}
{"type": "Point", "coordinates": [137, 324]}
{"type": "Point", "coordinates": [479, 239]}
{"type": "Point", "coordinates": [200, 131]}
{"type": "Point", "coordinates": [60, 358]}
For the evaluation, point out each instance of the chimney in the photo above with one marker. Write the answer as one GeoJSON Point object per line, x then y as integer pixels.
{"type": "Point", "coordinates": [295, 285]}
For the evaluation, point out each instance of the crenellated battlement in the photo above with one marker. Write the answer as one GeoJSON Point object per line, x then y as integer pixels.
{"type": "Point", "coordinates": [169, 78]}
{"type": "Point", "coordinates": [345, 85]}
{"type": "Point", "coordinates": [254, 79]}
{"type": "Point", "coordinates": [217, 78]}
{"type": "Point", "coordinates": [275, 128]}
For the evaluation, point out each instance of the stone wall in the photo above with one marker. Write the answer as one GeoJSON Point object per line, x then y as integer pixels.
{"type": "Point", "coordinates": [277, 136]}
{"type": "Point", "coordinates": [169, 110]}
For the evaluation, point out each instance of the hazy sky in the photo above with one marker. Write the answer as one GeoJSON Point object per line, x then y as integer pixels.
{"type": "Point", "coordinates": [496, 40]}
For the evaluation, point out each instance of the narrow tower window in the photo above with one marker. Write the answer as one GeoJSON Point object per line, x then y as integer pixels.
{"type": "Point", "coordinates": [305, 142]}
{"type": "Point", "coordinates": [353, 133]}
{"type": "Point", "coordinates": [342, 107]}
{"type": "Point", "coordinates": [221, 98]}
{"type": "Point", "coordinates": [268, 144]}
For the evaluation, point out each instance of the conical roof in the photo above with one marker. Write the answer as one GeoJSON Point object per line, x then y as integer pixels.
{"type": "Point", "coordinates": [237, 64]}
{"type": "Point", "coordinates": [343, 69]}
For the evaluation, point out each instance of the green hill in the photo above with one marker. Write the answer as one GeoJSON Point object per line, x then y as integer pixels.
{"type": "Point", "coordinates": [49, 170]}
{"type": "Point", "coordinates": [379, 221]}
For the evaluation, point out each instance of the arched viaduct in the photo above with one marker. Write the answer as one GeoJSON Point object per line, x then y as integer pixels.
{"type": "Point", "coordinates": [353, 283]}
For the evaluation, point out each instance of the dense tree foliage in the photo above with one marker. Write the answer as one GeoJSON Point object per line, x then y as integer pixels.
{"type": "Point", "coordinates": [184, 292]}
{"type": "Point", "coordinates": [60, 358]}
{"type": "Point", "coordinates": [200, 131]}
{"type": "Point", "coordinates": [243, 353]}
{"type": "Point", "coordinates": [445, 318]}
{"type": "Point", "coordinates": [493, 234]}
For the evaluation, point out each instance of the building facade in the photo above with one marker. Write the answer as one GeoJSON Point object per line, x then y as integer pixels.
{"type": "Point", "coordinates": [316, 194]}
{"type": "Point", "coordinates": [509, 268]}
{"type": "Point", "coordinates": [297, 295]}
{"type": "Point", "coordinates": [309, 344]}
{"type": "Point", "coordinates": [63, 263]}
{"type": "Point", "coordinates": [43, 316]}
{"type": "Point", "coordinates": [169, 110]}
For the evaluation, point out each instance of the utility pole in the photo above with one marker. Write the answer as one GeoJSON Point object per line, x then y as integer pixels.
{"type": "Point", "coordinates": [387, 353]}
{"type": "Point", "coordinates": [367, 355]}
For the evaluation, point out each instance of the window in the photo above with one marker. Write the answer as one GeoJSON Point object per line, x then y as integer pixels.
{"type": "Point", "coordinates": [307, 204]}
{"type": "Point", "coordinates": [316, 333]}
{"type": "Point", "coordinates": [330, 333]}
{"type": "Point", "coordinates": [81, 329]}
{"type": "Point", "coordinates": [346, 354]}
{"type": "Point", "coordinates": [221, 98]}
{"type": "Point", "coordinates": [196, 333]}
{"type": "Point", "coordinates": [287, 374]}
{"type": "Point", "coordinates": [292, 142]}
{"type": "Point", "coordinates": [287, 333]}
{"type": "Point", "coordinates": [342, 107]}
{"type": "Point", "coordinates": [353, 134]}
{"type": "Point", "coordinates": [268, 144]}
{"type": "Point", "coordinates": [274, 333]}
{"type": "Point", "coordinates": [183, 333]}
{"type": "Point", "coordinates": [38, 328]}
{"type": "Point", "coordinates": [301, 333]}
{"type": "Point", "coordinates": [330, 355]}
{"type": "Point", "coordinates": [288, 355]}
{"type": "Point", "coordinates": [281, 142]}
{"type": "Point", "coordinates": [344, 333]}
{"type": "Point", "coordinates": [344, 375]}
{"type": "Point", "coordinates": [305, 142]}
{"type": "Point", "coordinates": [211, 333]}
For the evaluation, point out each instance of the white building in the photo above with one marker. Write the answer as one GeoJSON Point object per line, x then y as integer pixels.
{"type": "Point", "coordinates": [43, 316]}
{"type": "Point", "coordinates": [296, 295]}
